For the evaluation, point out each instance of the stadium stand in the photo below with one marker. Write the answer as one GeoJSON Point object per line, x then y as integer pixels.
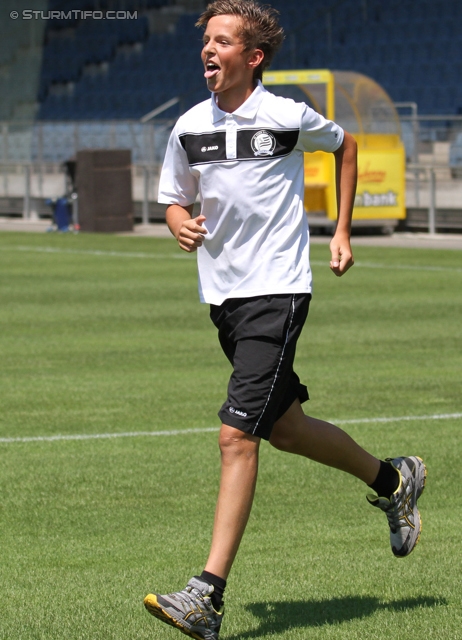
{"type": "Point", "coordinates": [77, 79]}
{"type": "Point", "coordinates": [121, 69]}
{"type": "Point", "coordinates": [21, 45]}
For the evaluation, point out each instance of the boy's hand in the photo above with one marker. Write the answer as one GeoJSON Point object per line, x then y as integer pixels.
{"type": "Point", "coordinates": [191, 234]}
{"type": "Point", "coordinates": [342, 256]}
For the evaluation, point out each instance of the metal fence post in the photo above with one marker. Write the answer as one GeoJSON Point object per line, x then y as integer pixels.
{"type": "Point", "coordinates": [414, 119]}
{"type": "Point", "coordinates": [432, 208]}
{"type": "Point", "coordinates": [146, 195]}
{"type": "Point", "coordinates": [26, 206]}
{"type": "Point", "coordinates": [5, 157]}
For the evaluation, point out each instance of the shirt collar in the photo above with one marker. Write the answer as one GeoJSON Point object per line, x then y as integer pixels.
{"type": "Point", "coordinates": [248, 110]}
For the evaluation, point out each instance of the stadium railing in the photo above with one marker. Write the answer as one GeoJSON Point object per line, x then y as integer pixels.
{"type": "Point", "coordinates": [32, 157]}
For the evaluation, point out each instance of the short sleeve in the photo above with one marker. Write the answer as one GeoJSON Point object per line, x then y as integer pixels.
{"type": "Point", "coordinates": [317, 133]}
{"type": "Point", "coordinates": [177, 185]}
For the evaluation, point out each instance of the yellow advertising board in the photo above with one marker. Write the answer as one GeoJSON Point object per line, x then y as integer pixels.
{"type": "Point", "coordinates": [381, 187]}
{"type": "Point", "coordinates": [319, 183]}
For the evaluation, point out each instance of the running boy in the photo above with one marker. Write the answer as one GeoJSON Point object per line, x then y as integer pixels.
{"type": "Point", "coordinates": [242, 152]}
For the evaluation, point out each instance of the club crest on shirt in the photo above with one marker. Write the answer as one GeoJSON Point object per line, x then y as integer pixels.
{"type": "Point", "coordinates": [263, 143]}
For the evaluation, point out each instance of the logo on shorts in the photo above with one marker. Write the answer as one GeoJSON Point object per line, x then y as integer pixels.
{"type": "Point", "coordinates": [214, 148]}
{"type": "Point", "coordinates": [263, 143]}
{"type": "Point", "coordinates": [242, 414]}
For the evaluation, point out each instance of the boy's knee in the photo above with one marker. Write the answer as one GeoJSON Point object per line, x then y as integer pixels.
{"type": "Point", "coordinates": [234, 442]}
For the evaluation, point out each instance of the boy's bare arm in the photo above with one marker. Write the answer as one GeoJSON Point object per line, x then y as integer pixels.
{"type": "Point", "coordinates": [346, 175]}
{"type": "Point", "coordinates": [188, 231]}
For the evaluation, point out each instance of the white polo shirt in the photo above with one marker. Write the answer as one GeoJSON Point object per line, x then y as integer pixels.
{"type": "Point", "coordinates": [247, 167]}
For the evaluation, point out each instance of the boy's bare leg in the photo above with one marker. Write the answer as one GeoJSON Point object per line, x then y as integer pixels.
{"type": "Point", "coordinates": [239, 468]}
{"type": "Point", "coordinates": [294, 432]}
{"type": "Point", "coordinates": [323, 442]}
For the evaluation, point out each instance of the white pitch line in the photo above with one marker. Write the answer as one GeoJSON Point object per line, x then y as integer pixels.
{"type": "Point", "coordinates": [400, 267]}
{"type": "Point", "coordinates": [97, 252]}
{"type": "Point", "coordinates": [102, 436]}
{"type": "Point", "coordinates": [180, 432]}
{"type": "Point", "coordinates": [182, 255]}
{"type": "Point", "coordinates": [394, 267]}
{"type": "Point", "coordinates": [436, 416]}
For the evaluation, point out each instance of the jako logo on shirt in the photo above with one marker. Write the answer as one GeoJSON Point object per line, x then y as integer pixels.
{"type": "Point", "coordinates": [237, 412]}
{"type": "Point", "coordinates": [263, 143]}
{"type": "Point", "coordinates": [204, 149]}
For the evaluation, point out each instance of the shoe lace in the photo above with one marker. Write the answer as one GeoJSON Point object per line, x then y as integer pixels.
{"type": "Point", "coordinates": [190, 595]}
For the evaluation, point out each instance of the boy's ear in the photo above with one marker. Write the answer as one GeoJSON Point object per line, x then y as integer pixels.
{"type": "Point", "coordinates": [255, 58]}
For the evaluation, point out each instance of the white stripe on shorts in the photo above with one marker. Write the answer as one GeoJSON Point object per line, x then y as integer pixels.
{"type": "Point", "coordinates": [279, 365]}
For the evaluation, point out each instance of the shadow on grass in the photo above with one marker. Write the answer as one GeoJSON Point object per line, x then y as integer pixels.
{"type": "Point", "coordinates": [277, 617]}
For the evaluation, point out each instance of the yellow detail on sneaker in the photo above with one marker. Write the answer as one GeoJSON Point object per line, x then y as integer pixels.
{"type": "Point", "coordinates": [190, 610]}
{"type": "Point", "coordinates": [154, 608]}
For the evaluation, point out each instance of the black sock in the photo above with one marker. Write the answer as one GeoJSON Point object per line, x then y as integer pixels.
{"type": "Point", "coordinates": [387, 480]}
{"type": "Point", "coordinates": [219, 585]}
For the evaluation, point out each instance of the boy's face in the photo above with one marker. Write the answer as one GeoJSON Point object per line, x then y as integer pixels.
{"type": "Point", "coordinates": [228, 67]}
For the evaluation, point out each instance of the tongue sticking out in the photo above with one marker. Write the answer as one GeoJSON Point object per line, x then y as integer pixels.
{"type": "Point", "coordinates": [211, 72]}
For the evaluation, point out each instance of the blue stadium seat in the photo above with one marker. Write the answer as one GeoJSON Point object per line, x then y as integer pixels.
{"type": "Point", "coordinates": [413, 50]}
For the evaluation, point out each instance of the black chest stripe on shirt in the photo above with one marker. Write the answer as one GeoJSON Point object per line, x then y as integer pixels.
{"type": "Point", "coordinates": [252, 144]}
{"type": "Point", "coordinates": [204, 147]}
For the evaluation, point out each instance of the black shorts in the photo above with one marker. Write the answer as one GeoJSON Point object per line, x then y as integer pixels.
{"type": "Point", "coordinates": [259, 337]}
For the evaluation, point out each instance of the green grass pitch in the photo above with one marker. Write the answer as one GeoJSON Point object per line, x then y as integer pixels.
{"type": "Point", "coordinates": [105, 335]}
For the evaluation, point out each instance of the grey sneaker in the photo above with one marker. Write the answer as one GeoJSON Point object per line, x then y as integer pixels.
{"type": "Point", "coordinates": [401, 509]}
{"type": "Point", "coordinates": [190, 610]}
